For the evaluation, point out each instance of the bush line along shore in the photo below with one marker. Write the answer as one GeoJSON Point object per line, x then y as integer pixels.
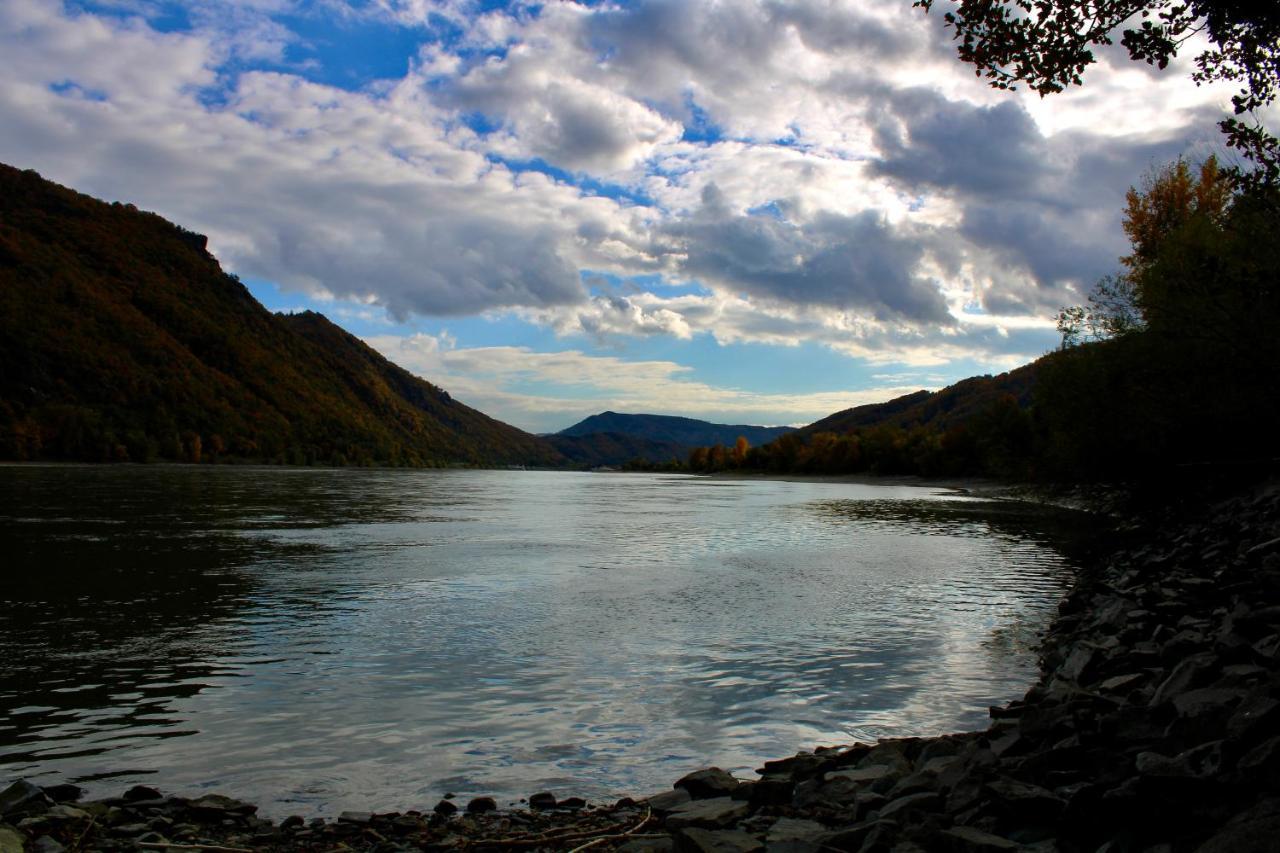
{"type": "Point", "coordinates": [1154, 727]}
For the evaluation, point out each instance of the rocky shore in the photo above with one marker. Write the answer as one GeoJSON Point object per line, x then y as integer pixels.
{"type": "Point", "coordinates": [1154, 728]}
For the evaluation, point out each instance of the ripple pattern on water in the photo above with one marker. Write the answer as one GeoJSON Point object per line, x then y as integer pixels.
{"type": "Point", "coordinates": [321, 640]}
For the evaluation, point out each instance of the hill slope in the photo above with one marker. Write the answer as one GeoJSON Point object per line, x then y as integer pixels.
{"type": "Point", "coordinates": [685, 432]}
{"type": "Point", "coordinates": [122, 339]}
{"type": "Point", "coordinates": [940, 409]}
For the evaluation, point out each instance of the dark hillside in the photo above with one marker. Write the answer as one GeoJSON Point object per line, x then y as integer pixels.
{"type": "Point", "coordinates": [121, 339]}
{"type": "Point", "coordinates": [948, 407]}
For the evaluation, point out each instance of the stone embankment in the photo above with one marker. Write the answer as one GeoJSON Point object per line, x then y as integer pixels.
{"type": "Point", "coordinates": [1155, 728]}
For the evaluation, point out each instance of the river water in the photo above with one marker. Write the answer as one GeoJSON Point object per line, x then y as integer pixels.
{"type": "Point", "coordinates": [318, 640]}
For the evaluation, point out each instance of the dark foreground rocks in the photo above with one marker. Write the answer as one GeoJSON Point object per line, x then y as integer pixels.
{"type": "Point", "coordinates": [1155, 728]}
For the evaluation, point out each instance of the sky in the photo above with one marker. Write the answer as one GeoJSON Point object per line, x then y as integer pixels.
{"type": "Point", "coordinates": [748, 211]}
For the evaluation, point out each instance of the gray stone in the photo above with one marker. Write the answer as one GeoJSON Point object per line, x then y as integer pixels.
{"type": "Point", "coordinates": [446, 808]}
{"type": "Point", "coordinates": [707, 814]}
{"type": "Point", "coordinates": [542, 800]}
{"type": "Point", "coordinates": [694, 840]}
{"type": "Point", "coordinates": [45, 844]}
{"type": "Point", "coordinates": [925, 801]}
{"type": "Point", "coordinates": [216, 805]}
{"type": "Point", "coordinates": [771, 791]}
{"type": "Point", "coordinates": [792, 829]}
{"type": "Point", "coordinates": [968, 839]}
{"type": "Point", "coordinates": [1258, 713]}
{"type": "Point", "coordinates": [1188, 674]}
{"type": "Point", "coordinates": [862, 775]}
{"type": "Point", "coordinates": [480, 805]}
{"type": "Point", "coordinates": [1121, 683]}
{"type": "Point", "coordinates": [360, 818]}
{"type": "Point", "coordinates": [668, 800]}
{"type": "Point", "coordinates": [1254, 831]}
{"type": "Point", "coordinates": [665, 844]}
{"type": "Point", "coordinates": [23, 798]}
{"type": "Point", "coordinates": [851, 838]}
{"type": "Point", "coordinates": [1208, 701]}
{"type": "Point", "coordinates": [64, 792]}
{"type": "Point", "coordinates": [708, 783]}
{"type": "Point", "coordinates": [142, 792]}
{"type": "Point", "coordinates": [11, 841]}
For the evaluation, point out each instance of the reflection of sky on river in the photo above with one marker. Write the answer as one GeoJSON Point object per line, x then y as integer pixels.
{"type": "Point", "coordinates": [354, 639]}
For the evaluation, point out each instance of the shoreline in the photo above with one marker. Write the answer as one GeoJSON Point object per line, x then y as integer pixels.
{"type": "Point", "coordinates": [1151, 728]}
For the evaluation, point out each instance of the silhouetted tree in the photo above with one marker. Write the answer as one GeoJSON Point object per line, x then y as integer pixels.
{"type": "Point", "coordinates": [1047, 45]}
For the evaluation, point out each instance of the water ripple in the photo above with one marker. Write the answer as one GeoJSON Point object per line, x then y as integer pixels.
{"type": "Point", "coordinates": [319, 640]}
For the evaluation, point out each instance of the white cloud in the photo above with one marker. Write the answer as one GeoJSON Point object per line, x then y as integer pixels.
{"type": "Point", "coordinates": [489, 378]}
{"type": "Point", "coordinates": [858, 188]}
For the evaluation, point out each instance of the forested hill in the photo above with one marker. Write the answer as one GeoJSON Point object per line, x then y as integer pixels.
{"type": "Point", "coordinates": [951, 406]}
{"type": "Point", "coordinates": [121, 339]}
{"type": "Point", "coordinates": [685, 432]}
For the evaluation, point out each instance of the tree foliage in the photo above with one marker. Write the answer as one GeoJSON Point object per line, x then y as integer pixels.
{"type": "Point", "coordinates": [1156, 216]}
{"type": "Point", "coordinates": [1047, 45]}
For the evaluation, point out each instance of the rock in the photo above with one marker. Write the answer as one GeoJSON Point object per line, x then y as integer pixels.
{"type": "Point", "coordinates": [480, 805]}
{"type": "Point", "coordinates": [64, 793]}
{"type": "Point", "coordinates": [1254, 831]}
{"type": "Point", "coordinates": [141, 792]}
{"type": "Point", "coordinates": [789, 829]}
{"type": "Point", "coordinates": [1258, 713]}
{"type": "Point", "coordinates": [694, 840]}
{"type": "Point", "coordinates": [572, 803]}
{"type": "Point", "coordinates": [967, 839]}
{"type": "Point", "coordinates": [852, 838]}
{"type": "Point", "coordinates": [1025, 801]}
{"type": "Point", "coordinates": [708, 783]}
{"type": "Point", "coordinates": [216, 805]}
{"type": "Point", "coordinates": [11, 841]}
{"type": "Point", "coordinates": [1192, 672]}
{"type": "Point", "coordinates": [795, 836]}
{"type": "Point", "coordinates": [542, 800]}
{"type": "Point", "coordinates": [1122, 683]}
{"type": "Point", "coordinates": [862, 775]}
{"type": "Point", "coordinates": [61, 812]}
{"type": "Point", "coordinates": [668, 801]}
{"type": "Point", "coordinates": [771, 791]}
{"type": "Point", "coordinates": [446, 808]}
{"type": "Point", "coordinates": [707, 814]}
{"type": "Point", "coordinates": [358, 818]}
{"type": "Point", "coordinates": [292, 822]}
{"type": "Point", "coordinates": [1207, 700]}
{"type": "Point", "coordinates": [1201, 762]}
{"type": "Point", "coordinates": [23, 798]}
{"type": "Point", "coordinates": [1262, 763]}
{"type": "Point", "coordinates": [927, 801]}
{"type": "Point", "coordinates": [664, 844]}
{"type": "Point", "coordinates": [45, 844]}
{"type": "Point", "coordinates": [800, 766]}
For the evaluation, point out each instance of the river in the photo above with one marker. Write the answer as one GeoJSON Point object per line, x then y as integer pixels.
{"type": "Point", "coordinates": [319, 640]}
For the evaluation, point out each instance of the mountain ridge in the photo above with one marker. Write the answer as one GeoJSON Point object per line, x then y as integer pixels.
{"type": "Point", "coordinates": [673, 429]}
{"type": "Point", "coordinates": [122, 339]}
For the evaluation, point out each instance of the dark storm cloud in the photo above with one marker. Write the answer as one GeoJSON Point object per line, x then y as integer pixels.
{"type": "Point", "coordinates": [854, 263]}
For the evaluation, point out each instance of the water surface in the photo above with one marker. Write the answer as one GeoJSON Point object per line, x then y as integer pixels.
{"type": "Point", "coordinates": [318, 640]}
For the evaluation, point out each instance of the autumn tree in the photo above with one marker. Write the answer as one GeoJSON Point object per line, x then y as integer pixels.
{"type": "Point", "coordinates": [1169, 201]}
{"type": "Point", "coordinates": [1047, 45]}
{"type": "Point", "coordinates": [740, 448]}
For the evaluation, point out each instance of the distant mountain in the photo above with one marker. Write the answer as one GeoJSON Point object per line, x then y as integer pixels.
{"type": "Point", "coordinates": [684, 432]}
{"type": "Point", "coordinates": [941, 409]}
{"type": "Point", "coordinates": [613, 448]}
{"type": "Point", "coordinates": [122, 339]}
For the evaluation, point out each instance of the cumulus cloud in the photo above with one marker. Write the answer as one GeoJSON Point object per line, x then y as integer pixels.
{"type": "Point", "coordinates": [784, 157]}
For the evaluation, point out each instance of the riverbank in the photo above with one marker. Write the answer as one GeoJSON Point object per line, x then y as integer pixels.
{"type": "Point", "coordinates": [1152, 728]}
